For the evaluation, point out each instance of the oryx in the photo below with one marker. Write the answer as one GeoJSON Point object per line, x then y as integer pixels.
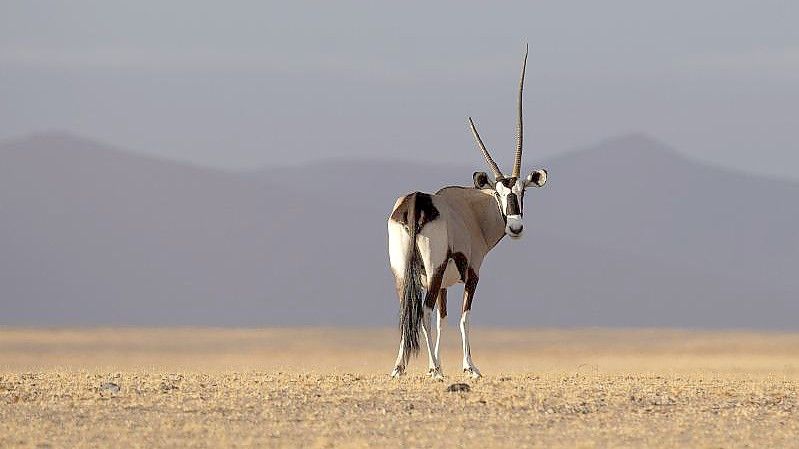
{"type": "Point", "coordinates": [437, 240]}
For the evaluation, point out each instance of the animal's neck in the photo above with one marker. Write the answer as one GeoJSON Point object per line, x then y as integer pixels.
{"type": "Point", "coordinates": [491, 221]}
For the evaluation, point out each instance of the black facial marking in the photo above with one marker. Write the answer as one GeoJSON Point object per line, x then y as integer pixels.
{"type": "Point", "coordinates": [499, 207]}
{"type": "Point", "coordinates": [508, 182]}
{"type": "Point", "coordinates": [513, 204]}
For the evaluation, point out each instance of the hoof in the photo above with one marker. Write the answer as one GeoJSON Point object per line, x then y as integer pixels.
{"type": "Point", "coordinates": [472, 372]}
{"type": "Point", "coordinates": [398, 372]}
{"type": "Point", "coordinates": [436, 374]}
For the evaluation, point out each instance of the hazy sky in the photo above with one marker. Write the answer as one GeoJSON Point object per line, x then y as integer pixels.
{"type": "Point", "coordinates": [244, 84]}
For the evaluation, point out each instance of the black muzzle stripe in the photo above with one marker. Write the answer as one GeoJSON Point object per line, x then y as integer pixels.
{"type": "Point", "coordinates": [513, 204]}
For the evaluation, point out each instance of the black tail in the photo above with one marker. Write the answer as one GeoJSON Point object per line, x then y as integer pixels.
{"type": "Point", "coordinates": [411, 309]}
{"type": "Point", "coordinates": [414, 212]}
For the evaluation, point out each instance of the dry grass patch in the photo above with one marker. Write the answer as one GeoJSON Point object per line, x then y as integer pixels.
{"type": "Point", "coordinates": [330, 388]}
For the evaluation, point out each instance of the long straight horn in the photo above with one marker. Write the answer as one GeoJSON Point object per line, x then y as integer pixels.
{"type": "Point", "coordinates": [490, 161]}
{"type": "Point", "coordinates": [517, 161]}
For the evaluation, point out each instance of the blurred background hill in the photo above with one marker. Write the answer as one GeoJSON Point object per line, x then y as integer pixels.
{"type": "Point", "coordinates": [628, 232]}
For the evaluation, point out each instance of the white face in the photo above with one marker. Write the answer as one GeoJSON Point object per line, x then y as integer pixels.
{"type": "Point", "coordinates": [510, 192]}
{"type": "Point", "coordinates": [511, 198]}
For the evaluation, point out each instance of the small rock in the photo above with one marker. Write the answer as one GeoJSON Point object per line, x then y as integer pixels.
{"type": "Point", "coordinates": [167, 387]}
{"type": "Point", "coordinates": [109, 388]}
{"type": "Point", "coordinates": [459, 388]}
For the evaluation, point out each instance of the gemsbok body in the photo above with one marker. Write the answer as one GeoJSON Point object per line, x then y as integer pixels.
{"type": "Point", "coordinates": [438, 240]}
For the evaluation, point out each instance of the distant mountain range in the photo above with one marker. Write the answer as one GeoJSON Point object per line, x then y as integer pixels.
{"type": "Point", "coordinates": [626, 233]}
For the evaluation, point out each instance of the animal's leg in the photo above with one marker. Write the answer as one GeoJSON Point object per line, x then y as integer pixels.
{"type": "Point", "coordinates": [468, 365]}
{"type": "Point", "coordinates": [430, 300]}
{"type": "Point", "coordinates": [399, 365]}
{"type": "Point", "coordinates": [468, 295]}
{"type": "Point", "coordinates": [434, 369]}
{"type": "Point", "coordinates": [442, 314]}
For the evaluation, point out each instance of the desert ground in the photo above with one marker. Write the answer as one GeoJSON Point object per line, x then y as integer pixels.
{"type": "Point", "coordinates": [313, 387]}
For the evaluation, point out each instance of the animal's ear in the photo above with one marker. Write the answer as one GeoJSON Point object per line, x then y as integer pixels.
{"type": "Point", "coordinates": [481, 180]}
{"type": "Point", "coordinates": [537, 178]}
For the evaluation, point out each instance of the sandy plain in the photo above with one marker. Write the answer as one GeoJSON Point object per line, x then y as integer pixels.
{"type": "Point", "coordinates": [315, 387]}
